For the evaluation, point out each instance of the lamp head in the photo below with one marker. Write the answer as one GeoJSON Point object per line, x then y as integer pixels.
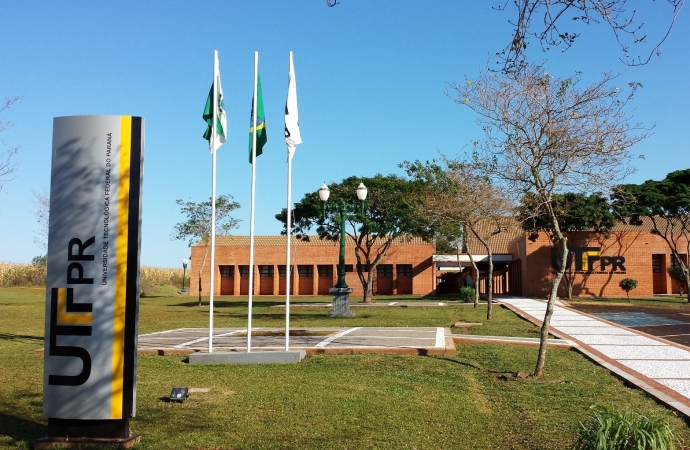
{"type": "Point", "coordinates": [361, 192]}
{"type": "Point", "coordinates": [324, 192]}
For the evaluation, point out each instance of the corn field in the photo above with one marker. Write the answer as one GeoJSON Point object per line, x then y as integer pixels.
{"type": "Point", "coordinates": [26, 275]}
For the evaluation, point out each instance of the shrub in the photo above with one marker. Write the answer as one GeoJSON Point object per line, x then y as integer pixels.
{"type": "Point", "coordinates": [628, 284]}
{"type": "Point", "coordinates": [467, 294]}
{"type": "Point", "coordinates": [677, 275]}
{"type": "Point", "coordinates": [610, 429]}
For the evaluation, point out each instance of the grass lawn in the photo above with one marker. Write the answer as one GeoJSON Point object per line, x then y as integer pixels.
{"type": "Point", "coordinates": [330, 401]}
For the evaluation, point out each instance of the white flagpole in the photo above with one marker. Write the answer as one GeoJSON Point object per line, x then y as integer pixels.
{"type": "Point", "coordinates": [288, 273]}
{"type": "Point", "coordinates": [292, 138]}
{"type": "Point", "coordinates": [213, 200]}
{"type": "Point", "coordinates": [251, 214]}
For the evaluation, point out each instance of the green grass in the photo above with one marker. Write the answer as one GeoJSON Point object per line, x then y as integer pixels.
{"type": "Point", "coordinates": [471, 401]}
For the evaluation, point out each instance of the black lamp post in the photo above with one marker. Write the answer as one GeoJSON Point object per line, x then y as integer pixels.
{"type": "Point", "coordinates": [341, 292]}
{"type": "Point", "coordinates": [185, 261]}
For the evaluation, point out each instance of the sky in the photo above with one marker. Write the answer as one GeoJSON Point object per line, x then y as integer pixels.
{"type": "Point", "coordinates": [372, 86]}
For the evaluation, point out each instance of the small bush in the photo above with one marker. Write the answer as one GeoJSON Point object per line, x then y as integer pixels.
{"type": "Point", "coordinates": [467, 294]}
{"type": "Point", "coordinates": [628, 284]}
{"type": "Point", "coordinates": [611, 429]}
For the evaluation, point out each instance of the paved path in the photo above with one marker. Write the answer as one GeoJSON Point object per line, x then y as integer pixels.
{"type": "Point", "coordinates": [659, 366]}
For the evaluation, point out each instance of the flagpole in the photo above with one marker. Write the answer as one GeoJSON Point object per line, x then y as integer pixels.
{"type": "Point", "coordinates": [288, 272]}
{"type": "Point", "coordinates": [213, 200]}
{"type": "Point", "coordinates": [251, 214]}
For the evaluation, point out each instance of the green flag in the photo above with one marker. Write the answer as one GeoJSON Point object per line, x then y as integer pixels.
{"type": "Point", "coordinates": [261, 138]}
{"type": "Point", "coordinates": [215, 141]}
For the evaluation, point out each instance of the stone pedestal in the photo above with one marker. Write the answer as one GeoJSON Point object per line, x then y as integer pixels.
{"type": "Point", "coordinates": [341, 302]}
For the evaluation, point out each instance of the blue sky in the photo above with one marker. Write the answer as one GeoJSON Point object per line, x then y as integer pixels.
{"type": "Point", "coordinates": [371, 82]}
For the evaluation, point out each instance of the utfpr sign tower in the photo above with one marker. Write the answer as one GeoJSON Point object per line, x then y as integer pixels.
{"type": "Point", "coordinates": [92, 296]}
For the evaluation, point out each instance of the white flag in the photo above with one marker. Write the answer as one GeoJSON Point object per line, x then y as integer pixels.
{"type": "Point", "coordinates": [215, 141]}
{"type": "Point", "coordinates": [292, 134]}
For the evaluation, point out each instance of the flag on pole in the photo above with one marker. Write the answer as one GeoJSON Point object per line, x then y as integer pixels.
{"type": "Point", "coordinates": [214, 142]}
{"type": "Point", "coordinates": [261, 138]}
{"type": "Point", "coordinates": [292, 133]}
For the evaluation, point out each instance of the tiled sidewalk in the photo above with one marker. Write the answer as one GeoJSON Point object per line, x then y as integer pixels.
{"type": "Point", "coordinates": [660, 367]}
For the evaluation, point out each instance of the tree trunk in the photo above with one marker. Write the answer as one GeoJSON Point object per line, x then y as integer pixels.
{"type": "Point", "coordinates": [541, 358]}
{"type": "Point", "coordinates": [490, 287]}
{"type": "Point", "coordinates": [369, 288]}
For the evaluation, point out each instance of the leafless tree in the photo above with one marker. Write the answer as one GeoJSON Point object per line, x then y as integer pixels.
{"type": "Point", "coordinates": [42, 212]}
{"type": "Point", "coordinates": [8, 164]}
{"type": "Point", "coordinates": [544, 135]}
{"type": "Point", "coordinates": [461, 200]}
{"type": "Point", "coordinates": [553, 23]}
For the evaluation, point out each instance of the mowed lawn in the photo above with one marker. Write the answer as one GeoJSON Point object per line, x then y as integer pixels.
{"type": "Point", "coordinates": [471, 401]}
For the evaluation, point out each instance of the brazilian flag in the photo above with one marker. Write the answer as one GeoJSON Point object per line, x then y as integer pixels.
{"type": "Point", "coordinates": [261, 137]}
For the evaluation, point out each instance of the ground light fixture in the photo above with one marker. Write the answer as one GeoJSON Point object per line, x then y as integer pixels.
{"type": "Point", "coordinates": [179, 394]}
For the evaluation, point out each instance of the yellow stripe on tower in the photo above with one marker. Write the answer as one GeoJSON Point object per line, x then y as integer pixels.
{"type": "Point", "coordinates": [65, 318]}
{"type": "Point", "coordinates": [121, 267]}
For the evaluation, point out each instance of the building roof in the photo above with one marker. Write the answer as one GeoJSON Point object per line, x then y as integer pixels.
{"type": "Point", "coordinates": [510, 229]}
{"type": "Point", "coordinates": [243, 241]}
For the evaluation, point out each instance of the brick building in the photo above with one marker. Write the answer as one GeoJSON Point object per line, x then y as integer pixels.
{"type": "Point", "coordinates": [407, 269]}
{"type": "Point", "coordinates": [599, 263]}
{"type": "Point", "coordinates": [523, 265]}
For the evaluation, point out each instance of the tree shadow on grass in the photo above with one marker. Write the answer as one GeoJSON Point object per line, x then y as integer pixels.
{"type": "Point", "coordinates": [20, 430]}
{"type": "Point", "coordinates": [20, 337]}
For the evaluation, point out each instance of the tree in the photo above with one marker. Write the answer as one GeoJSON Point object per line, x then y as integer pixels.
{"type": "Point", "coordinates": [546, 135]}
{"type": "Point", "coordinates": [546, 21]}
{"type": "Point", "coordinates": [666, 205]}
{"type": "Point", "coordinates": [7, 163]}
{"type": "Point", "coordinates": [462, 202]}
{"type": "Point", "coordinates": [197, 227]}
{"type": "Point", "coordinates": [628, 284]}
{"type": "Point", "coordinates": [576, 213]}
{"type": "Point", "coordinates": [42, 214]}
{"type": "Point", "coordinates": [389, 214]}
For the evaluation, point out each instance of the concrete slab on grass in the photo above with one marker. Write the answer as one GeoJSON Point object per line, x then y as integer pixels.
{"type": "Point", "coordinates": [261, 357]}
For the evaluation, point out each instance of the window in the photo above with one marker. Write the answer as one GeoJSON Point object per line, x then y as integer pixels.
{"type": "Point", "coordinates": [266, 271]}
{"type": "Point", "coordinates": [674, 260]}
{"type": "Point", "coordinates": [325, 271]}
{"type": "Point", "coordinates": [365, 268]}
{"type": "Point", "coordinates": [281, 271]}
{"type": "Point", "coordinates": [656, 263]}
{"type": "Point", "coordinates": [227, 271]}
{"type": "Point", "coordinates": [349, 268]}
{"type": "Point", "coordinates": [305, 271]}
{"type": "Point", "coordinates": [384, 270]}
{"type": "Point", "coordinates": [404, 270]}
{"type": "Point", "coordinates": [244, 271]}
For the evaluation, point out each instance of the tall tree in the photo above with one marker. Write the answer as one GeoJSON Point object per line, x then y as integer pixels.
{"type": "Point", "coordinates": [666, 204]}
{"type": "Point", "coordinates": [7, 154]}
{"type": "Point", "coordinates": [544, 135]}
{"type": "Point", "coordinates": [389, 214]}
{"type": "Point", "coordinates": [197, 227]}
{"type": "Point", "coordinates": [576, 214]}
{"type": "Point", "coordinates": [459, 197]}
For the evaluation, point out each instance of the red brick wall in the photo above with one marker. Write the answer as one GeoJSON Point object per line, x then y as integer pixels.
{"type": "Point", "coordinates": [418, 255]}
{"type": "Point", "coordinates": [636, 247]}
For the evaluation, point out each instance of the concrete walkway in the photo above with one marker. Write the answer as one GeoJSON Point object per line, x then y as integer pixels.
{"type": "Point", "coordinates": [333, 340]}
{"type": "Point", "coordinates": [660, 367]}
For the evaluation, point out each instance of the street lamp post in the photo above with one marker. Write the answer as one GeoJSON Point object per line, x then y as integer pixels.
{"type": "Point", "coordinates": [341, 292]}
{"type": "Point", "coordinates": [185, 261]}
